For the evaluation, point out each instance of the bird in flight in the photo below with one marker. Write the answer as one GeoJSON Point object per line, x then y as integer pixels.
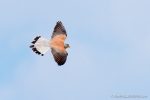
{"type": "Point", "coordinates": [41, 45]}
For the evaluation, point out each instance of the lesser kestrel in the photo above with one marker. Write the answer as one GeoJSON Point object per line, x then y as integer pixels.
{"type": "Point", "coordinates": [58, 48]}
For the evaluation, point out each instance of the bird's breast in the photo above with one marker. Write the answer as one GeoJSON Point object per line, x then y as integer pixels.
{"type": "Point", "coordinates": [57, 43]}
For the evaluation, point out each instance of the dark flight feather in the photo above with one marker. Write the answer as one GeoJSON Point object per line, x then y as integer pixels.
{"type": "Point", "coordinates": [60, 57]}
{"type": "Point", "coordinates": [59, 29]}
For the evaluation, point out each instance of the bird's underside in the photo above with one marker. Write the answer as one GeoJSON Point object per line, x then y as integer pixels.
{"type": "Point", "coordinates": [41, 45]}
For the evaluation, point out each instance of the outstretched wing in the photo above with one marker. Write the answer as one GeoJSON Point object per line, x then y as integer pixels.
{"type": "Point", "coordinates": [57, 43]}
{"type": "Point", "coordinates": [59, 56]}
{"type": "Point", "coordinates": [59, 29]}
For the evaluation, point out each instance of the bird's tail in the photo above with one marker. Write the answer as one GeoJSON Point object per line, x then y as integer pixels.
{"type": "Point", "coordinates": [40, 45]}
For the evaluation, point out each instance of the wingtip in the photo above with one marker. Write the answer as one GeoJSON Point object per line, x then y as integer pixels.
{"type": "Point", "coordinates": [59, 22]}
{"type": "Point", "coordinates": [61, 63]}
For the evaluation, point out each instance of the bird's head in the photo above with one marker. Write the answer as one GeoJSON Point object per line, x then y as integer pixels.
{"type": "Point", "coordinates": [67, 46]}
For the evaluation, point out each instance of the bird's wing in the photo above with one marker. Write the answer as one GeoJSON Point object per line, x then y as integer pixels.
{"type": "Point", "coordinates": [57, 43]}
{"type": "Point", "coordinates": [59, 56]}
{"type": "Point", "coordinates": [59, 29]}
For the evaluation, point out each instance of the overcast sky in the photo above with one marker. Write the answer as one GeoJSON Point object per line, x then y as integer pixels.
{"type": "Point", "coordinates": [109, 54]}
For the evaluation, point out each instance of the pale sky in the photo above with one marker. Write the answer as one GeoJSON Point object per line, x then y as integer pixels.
{"type": "Point", "coordinates": [109, 54]}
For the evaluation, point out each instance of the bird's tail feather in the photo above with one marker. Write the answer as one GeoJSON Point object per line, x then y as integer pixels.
{"type": "Point", "coordinates": [40, 45]}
